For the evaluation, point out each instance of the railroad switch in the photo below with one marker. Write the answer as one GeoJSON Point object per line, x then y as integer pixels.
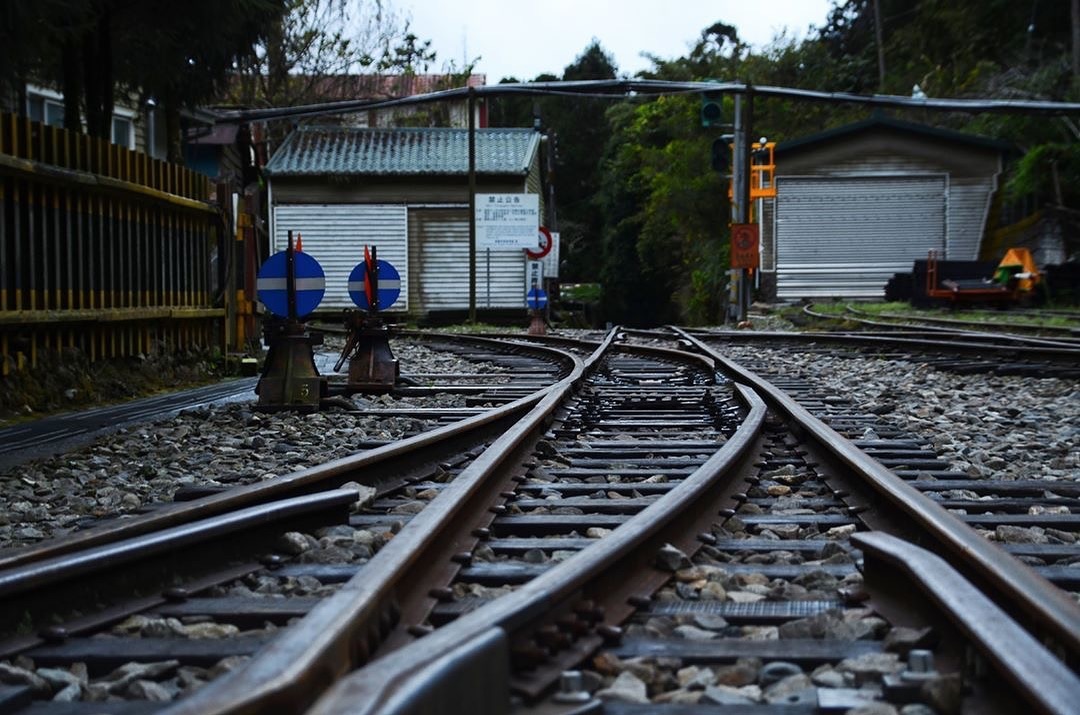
{"type": "Point", "coordinates": [907, 686]}
{"type": "Point", "coordinates": [372, 365]}
{"type": "Point", "coordinates": [290, 380]}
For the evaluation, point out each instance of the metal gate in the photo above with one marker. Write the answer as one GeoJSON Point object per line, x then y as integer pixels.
{"type": "Point", "coordinates": [335, 235]}
{"type": "Point", "coordinates": [846, 236]}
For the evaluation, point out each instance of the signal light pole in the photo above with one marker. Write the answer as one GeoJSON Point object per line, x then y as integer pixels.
{"type": "Point", "coordinates": [739, 295]}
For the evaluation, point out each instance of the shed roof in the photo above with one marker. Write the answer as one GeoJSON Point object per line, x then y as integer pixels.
{"type": "Point", "coordinates": [318, 150]}
{"type": "Point", "coordinates": [880, 121]}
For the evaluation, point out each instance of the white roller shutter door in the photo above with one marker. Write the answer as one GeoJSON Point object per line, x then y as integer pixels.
{"type": "Point", "coordinates": [846, 236]}
{"type": "Point", "coordinates": [443, 264]}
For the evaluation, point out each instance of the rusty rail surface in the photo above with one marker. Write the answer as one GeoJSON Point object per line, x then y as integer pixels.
{"type": "Point", "coordinates": [1030, 598]}
{"type": "Point", "coordinates": [70, 567]}
{"type": "Point", "coordinates": [144, 563]}
{"type": "Point", "coordinates": [1004, 330]}
{"type": "Point", "coordinates": [381, 466]}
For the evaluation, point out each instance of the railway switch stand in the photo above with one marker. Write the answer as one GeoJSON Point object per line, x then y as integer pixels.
{"type": "Point", "coordinates": [291, 285]}
{"type": "Point", "coordinates": [372, 365]}
{"type": "Point", "coordinates": [373, 284]}
{"type": "Point", "coordinates": [290, 380]}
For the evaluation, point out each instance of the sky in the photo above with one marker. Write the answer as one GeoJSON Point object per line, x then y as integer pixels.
{"type": "Point", "coordinates": [525, 38]}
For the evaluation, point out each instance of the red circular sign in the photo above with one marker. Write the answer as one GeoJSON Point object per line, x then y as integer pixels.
{"type": "Point", "coordinates": [546, 242]}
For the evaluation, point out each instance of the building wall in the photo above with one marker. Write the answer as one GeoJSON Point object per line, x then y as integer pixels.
{"type": "Point", "coordinates": [335, 235]}
{"type": "Point", "coordinates": [970, 179]}
{"type": "Point", "coordinates": [436, 270]}
{"type": "Point", "coordinates": [845, 236]}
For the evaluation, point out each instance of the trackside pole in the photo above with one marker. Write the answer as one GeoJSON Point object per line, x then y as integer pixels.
{"type": "Point", "coordinates": [740, 179]}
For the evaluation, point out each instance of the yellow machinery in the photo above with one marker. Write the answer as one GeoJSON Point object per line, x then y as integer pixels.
{"type": "Point", "coordinates": [1014, 278]}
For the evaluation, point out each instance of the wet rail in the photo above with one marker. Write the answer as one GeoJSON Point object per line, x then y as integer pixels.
{"type": "Point", "coordinates": [1000, 324]}
{"type": "Point", "coordinates": [920, 327]}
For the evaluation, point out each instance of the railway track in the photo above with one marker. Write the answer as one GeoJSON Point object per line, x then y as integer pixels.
{"type": "Point", "coordinates": [63, 591]}
{"type": "Point", "coordinates": [960, 352]}
{"type": "Point", "coordinates": [994, 333]}
{"type": "Point", "coordinates": [660, 531]}
{"type": "Point", "coordinates": [997, 326]}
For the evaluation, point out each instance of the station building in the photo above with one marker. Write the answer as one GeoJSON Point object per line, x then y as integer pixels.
{"type": "Point", "coordinates": [863, 201]}
{"type": "Point", "coordinates": [405, 191]}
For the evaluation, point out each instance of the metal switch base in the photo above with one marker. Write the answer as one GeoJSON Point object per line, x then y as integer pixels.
{"type": "Point", "coordinates": [290, 380]}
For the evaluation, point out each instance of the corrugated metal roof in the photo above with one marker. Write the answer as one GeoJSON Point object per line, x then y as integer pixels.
{"type": "Point", "coordinates": [317, 150]}
{"type": "Point", "coordinates": [880, 121]}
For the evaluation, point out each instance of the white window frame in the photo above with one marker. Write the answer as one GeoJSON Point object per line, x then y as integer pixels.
{"type": "Point", "coordinates": [129, 116]}
{"type": "Point", "coordinates": [47, 97]}
{"type": "Point", "coordinates": [51, 96]}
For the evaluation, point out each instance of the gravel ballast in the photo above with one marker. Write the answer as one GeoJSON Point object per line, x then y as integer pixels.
{"type": "Point", "coordinates": [217, 445]}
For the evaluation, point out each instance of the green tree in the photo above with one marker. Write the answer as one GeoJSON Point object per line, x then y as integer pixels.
{"type": "Point", "coordinates": [410, 55]}
{"type": "Point", "coordinates": [517, 110]}
{"type": "Point", "coordinates": [314, 41]}
{"type": "Point", "coordinates": [989, 48]}
{"type": "Point", "coordinates": [665, 216]}
{"type": "Point", "coordinates": [189, 59]}
{"type": "Point", "coordinates": [178, 53]}
{"type": "Point", "coordinates": [581, 130]}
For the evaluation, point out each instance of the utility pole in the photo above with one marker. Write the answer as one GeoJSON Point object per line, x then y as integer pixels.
{"type": "Point", "coordinates": [881, 46]}
{"type": "Point", "coordinates": [1076, 40]}
{"type": "Point", "coordinates": [472, 204]}
{"type": "Point", "coordinates": [740, 182]}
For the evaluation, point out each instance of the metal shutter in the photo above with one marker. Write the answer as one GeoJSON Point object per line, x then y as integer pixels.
{"type": "Point", "coordinates": [846, 236]}
{"type": "Point", "coordinates": [441, 252]}
{"type": "Point", "coordinates": [335, 234]}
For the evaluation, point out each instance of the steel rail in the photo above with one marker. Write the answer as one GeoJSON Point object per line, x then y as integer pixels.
{"type": "Point", "coordinates": [559, 340]}
{"type": "Point", "coordinates": [1022, 340]}
{"type": "Point", "coordinates": [342, 631]}
{"type": "Point", "coordinates": [1047, 684]}
{"type": "Point", "coordinates": [1062, 354]}
{"type": "Point", "coordinates": [1002, 328]}
{"type": "Point", "coordinates": [112, 576]}
{"type": "Point", "coordinates": [379, 466]}
{"type": "Point", "coordinates": [427, 671]}
{"type": "Point", "coordinates": [1030, 597]}
{"type": "Point", "coordinates": [70, 567]}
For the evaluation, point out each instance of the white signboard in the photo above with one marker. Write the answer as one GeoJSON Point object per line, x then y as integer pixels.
{"type": "Point", "coordinates": [507, 221]}
{"type": "Point", "coordinates": [551, 260]}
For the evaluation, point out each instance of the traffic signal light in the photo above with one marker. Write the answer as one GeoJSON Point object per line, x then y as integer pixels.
{"type": "Point", "coordinates": [712, 113]}
{"type": "Point", "coordinates": [721, 155]}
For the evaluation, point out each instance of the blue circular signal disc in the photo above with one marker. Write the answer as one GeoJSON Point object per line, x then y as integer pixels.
{"type": "Point", "coordinates": [271, 284]}
{"type": "Point", "coordinates": [389, 282]}
{"type": "Point", "coordinates": [536, 299]}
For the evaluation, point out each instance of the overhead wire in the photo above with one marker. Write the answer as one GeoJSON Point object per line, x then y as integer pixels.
{"type": "Point", "coordinates": [637, 88]}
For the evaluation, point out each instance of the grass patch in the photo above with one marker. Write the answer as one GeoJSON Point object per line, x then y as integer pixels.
{"type": "Point", "coordinates": [67, 381]}
{"type": "Point", "coordinates": [988, 316]}
{"type": "Point", "coordinates": [581, 292]}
